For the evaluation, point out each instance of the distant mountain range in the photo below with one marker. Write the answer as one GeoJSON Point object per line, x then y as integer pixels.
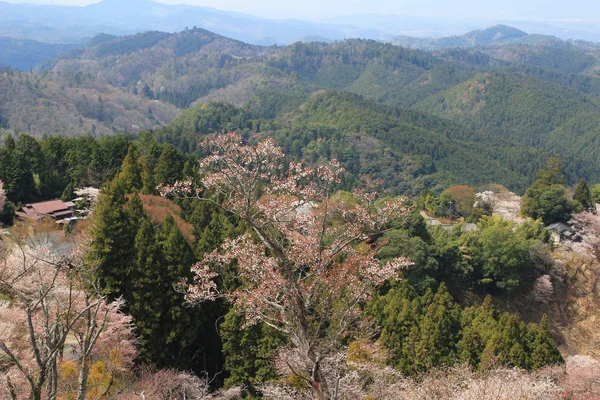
{"type": "Point", "coordinates": [70, 24]}
{"type": "Point", "coordinates": [76, 24]}
{"type": "Point", "coordinates": [498, 98]}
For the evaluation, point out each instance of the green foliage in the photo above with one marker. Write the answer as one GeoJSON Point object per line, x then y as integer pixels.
{"type": "Point", "coordinates": [18, 162]}
{"type": "Point", "coordinates": [502, 254]}
{"type": "Point", "coordinates": [130, 176]}
{"type": "Point", "coordinates": [421, 333]}
{"type": "Point", "coordinates": [7, 214]}
{"type": "Point", "coordinates": [248, 351]}
{"type": "Point", "coordinates": [144, 264]}
{"type": "Point", "coordinates": [583, 196]}
{"type": "Point", "coordinates": [595, 193]}
{"type": "Point", "coordinates": [169, 166]}
{"type": "Point", "coordinates": [69, 193]}
{"type": "Point", "coordinates": [546, 198]}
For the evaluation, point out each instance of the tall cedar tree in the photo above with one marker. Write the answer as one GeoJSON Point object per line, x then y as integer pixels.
{"type": "Point", "coordinates": [130, 176]}
{"type": "Point", "coordinates": [169, 166]}
{"type": "Point", "coordinates": [583, 196]}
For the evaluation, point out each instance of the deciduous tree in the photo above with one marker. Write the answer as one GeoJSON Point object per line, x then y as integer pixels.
{"type": "Point", "coordinates": [306, 264]}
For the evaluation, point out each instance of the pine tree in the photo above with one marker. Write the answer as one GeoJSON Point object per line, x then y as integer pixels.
{"type": "Point", "coordinates": [148, 184]}
{"type": "Point", "coordinates": [440, 329]}
{"type": "Point", "coordinates": [130, 176]}
{"type": "Point", "coordinates": [147, 296]}
{"type": "Point", "coordinates": [69, 192]}
{"type": "Point", "coordinates": [543, 348]}
{"type": "Point", "coordinates": [113, 239]}
{"type": "Point", "coordinates": [399, 316]}
{"type": "Point", "coordinates": [583, 196]}
{"type": "Point", "coordinates": [508, 345]}
{"type": "Point", "coordinates": [478, 326]}
{"type": "Point", "coordinates": [248, 351]}
{"type": "Point", "coordinates": [169, 166]}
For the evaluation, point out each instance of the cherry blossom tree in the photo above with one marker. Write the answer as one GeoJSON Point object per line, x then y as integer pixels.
{"type": "Point", "coordinates": [587, 225]}
{"type": "Point", "coordinates": [46, 298]}
{"type": "Point", "coordinates": [306, 263]}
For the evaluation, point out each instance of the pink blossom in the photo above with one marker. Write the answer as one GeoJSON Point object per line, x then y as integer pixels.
{"type": "Point", "coordinates": [306, 264]}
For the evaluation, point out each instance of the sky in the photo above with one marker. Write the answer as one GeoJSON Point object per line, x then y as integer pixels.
{"type": "Point", "coordinates": [538, 10]}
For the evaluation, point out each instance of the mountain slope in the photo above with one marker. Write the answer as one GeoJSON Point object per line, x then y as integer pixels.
{"type": "Point", "coordinates": [537, 114]}
{"type": "Point", "coordinates": [200, 65]}
{"type": "Point", "coordinates": [26, 54]}
{"type": "Point", "coordinates": [74, 104]}
{"type": "Point", "coordinates": [494, 35]}
{"type": "Point", "coordinates": [409, 150]}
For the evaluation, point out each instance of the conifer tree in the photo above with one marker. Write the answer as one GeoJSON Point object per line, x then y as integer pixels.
{"type": "Point", "coordinates": [130, 176]}
{"type": "Point", "coordinates": [248, 351]}
{"type": "Point", "coordinates": [508, 345]}
{"type": "Point", "coordinates": [146, 304]}
{"type": "Point", "coordinates": [440, 328]}
{"type": "Point", "coordinates": [113, 239]}
{"type": "Point", "coordinates": [543, 348]}
{"type": "Point", "coordinates": [169, 166]}
{"type": "Point", "coordinates": [148, 182]}
{"type": "Point", "coordinates": [478, 325]}
{"type": "Point", "coordinates": [583, 196]}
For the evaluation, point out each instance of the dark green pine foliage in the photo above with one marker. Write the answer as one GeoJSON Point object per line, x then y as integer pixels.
{"type": "Point", "coordinates": [509, 345]}
{"type": "Point", "coordinates": [146, 304]}
{"type": "Point", "coordinates": [211, 226]}
{"type": "Point", "coordinates": [583, 196]}
{"type": "Point", "coordinates": [401, 312]}
{"type": "Point", "coordinates": [421, 333]}
{"type": "Point", "coordinates": [543, 349]}
{"type": "Point", "coordinates": [113, 232]}
{"type": "Point", "coordinates": [69, 193]}
{"type": "Point", "coordinates": [248, 351]}
{"type": "Point", "coordinates": [130, 175]}
{"type": "Point", "coordinates": [169, 166]}
{"type": "Point", "coordinates": [147, 177]}
{"type": "Point", "coordinates": [17, 167]}
{"type": "Point", "coordinates": [166, 326]}
{"type": "Point", "coordinates": [440, 328]}
{"type": "Point", "coordinates": [478, 325]}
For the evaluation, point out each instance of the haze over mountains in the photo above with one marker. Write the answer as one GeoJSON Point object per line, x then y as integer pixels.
{"type": "Point", "coordinates": [53, 23]}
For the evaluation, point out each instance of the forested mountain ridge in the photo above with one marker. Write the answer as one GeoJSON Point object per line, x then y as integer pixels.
{"type": "Point", "coordinates": [409, 150]}
{"type": "Point", "coordinates": [74, 105]}
{"type": "Point", "coordinates": [536, 114]}
{"type": "Point", "coordinates": [506, 116]}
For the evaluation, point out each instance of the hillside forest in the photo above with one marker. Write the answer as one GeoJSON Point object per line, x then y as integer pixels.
{"type": "Point", "coordinates": [314, 221]}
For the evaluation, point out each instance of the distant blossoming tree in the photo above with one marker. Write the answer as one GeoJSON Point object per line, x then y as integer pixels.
{"type": "Point", "coordinates": [46, 298]}
{"type": "Point", "coordinates": [306, 264]}
{"type": "Point", "coordinates": [2, 195]}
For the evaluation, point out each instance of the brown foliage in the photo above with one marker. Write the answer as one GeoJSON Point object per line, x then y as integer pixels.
{"type": "Point", "coordinates": [158, 208]}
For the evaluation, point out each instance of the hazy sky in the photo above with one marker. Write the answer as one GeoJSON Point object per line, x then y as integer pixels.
{"type": "Point", "coordinates": [540, 10]}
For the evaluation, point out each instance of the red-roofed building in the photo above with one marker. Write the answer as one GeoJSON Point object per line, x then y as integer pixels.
{"type": "Point", "coordinates": [56, 209]}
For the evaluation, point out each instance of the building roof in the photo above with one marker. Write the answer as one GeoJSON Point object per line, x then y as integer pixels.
{"type": "Point", "coordinates": [52, 208]}
{"type": "Point", "coordinates": [561, 229]}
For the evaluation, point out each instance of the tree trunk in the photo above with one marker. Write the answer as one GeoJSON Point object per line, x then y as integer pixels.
{"type": "Point", "coordinates": [83, 377]}
{"type": "Point", "coordinates": [319, 385]}
{"type": "Point", "coordinates": [52, 387]}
